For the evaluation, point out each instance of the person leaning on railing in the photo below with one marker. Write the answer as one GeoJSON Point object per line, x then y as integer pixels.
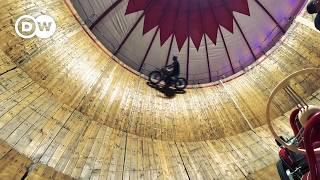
{"type": "Point", "coordinates": [313, 7]}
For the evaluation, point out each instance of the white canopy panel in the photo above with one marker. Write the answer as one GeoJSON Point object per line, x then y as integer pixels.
{"type": "Point", "coordinates": [213, 39]}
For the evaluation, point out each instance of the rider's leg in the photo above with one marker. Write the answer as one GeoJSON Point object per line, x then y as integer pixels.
{"type": "Point", "coordinates": [174, 78]}
{"type": "Point", "coordinates": [167, 81]}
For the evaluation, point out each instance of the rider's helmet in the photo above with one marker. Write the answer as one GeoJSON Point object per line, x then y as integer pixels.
{"type": "Point", "coordinates": [175, 58]}
{"type": "Point", "coordinates": [311, 7]}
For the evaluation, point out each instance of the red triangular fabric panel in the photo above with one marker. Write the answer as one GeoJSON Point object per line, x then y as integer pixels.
{"type": "Point", "coordinates": [188, 18]}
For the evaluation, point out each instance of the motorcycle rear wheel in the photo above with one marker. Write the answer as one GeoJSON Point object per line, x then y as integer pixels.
{"type": "Point", "coordinates": [155, 77]}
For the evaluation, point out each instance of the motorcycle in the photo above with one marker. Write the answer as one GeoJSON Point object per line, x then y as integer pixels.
{"type": "Point", "coordinates": [156, 77]}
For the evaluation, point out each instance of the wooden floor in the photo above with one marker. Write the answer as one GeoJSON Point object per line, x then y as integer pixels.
{"type": "Point", "coordinates": [49, 132]}
{"type": "Point", "coordinates": [66, 104]}
{"type": "Point", "coordinates": [82, 76]}
{"type": "Point", "coordinates": [16, 166]}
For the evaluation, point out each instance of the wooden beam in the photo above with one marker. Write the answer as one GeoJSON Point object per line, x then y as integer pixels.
{"type": "Point", "coordinates": [244, 37]}
{"type": "Point", "coordinates": [149, 47]}
{"type": "Point", "coordinates": [133, 28]}
{"type": "Point", "coordinates": [270, 15]}
{"type": "Point", "coordinates": [105, 13]}
{"type": "Point", "coordinates": [227, 51]}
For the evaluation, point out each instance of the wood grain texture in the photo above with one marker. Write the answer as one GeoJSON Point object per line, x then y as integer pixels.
{"type": "Point", "coordinates": [78, 73]}
{"type": "Point", "coordinates": [17, 166]}
{"type": "Point", "coordinates": [49, 132]}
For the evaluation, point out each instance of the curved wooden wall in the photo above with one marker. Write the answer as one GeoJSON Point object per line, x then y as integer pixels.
{"type": "Point", "coordinates": [16, 166]}
{"type": "Point", "coordinates": [82, 76]}
{"type": "Point", "coordinates": [52, 133]}
{"type": "Point", "coordinates": [65, 103]}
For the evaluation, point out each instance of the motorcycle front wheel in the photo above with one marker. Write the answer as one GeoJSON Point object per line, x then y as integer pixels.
{"type": "Point", "coordinates": [155, 77]}
{"type": "Point", "coordinates": [181, 84]}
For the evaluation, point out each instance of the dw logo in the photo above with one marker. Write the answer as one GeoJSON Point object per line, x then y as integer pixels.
{"type": "Point", "coordinates": [43, 26]}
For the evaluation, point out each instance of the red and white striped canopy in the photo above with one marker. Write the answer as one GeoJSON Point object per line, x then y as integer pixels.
{"type": "Point", "coordinates": [213, 39]}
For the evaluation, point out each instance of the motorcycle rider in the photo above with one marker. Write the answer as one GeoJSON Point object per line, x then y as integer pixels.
{"type": "Point", "coordinates": [173, 71]}
{"type": "Point", "coordinates": [313, 7]}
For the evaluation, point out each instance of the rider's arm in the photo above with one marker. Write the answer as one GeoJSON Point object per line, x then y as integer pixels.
{"type": "Point", "coordinates": [169, 66]}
